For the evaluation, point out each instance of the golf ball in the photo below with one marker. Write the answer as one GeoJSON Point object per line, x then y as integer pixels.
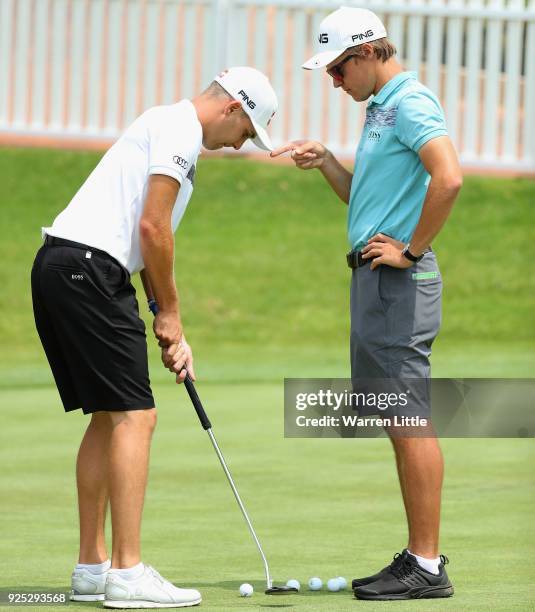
{"type": "Point", "coordinates": [315, 584]}
{"type": "Point", "coordinates": [246, 590]}
{"type": "Point", "coordinates": [294, 584]}
{"type": "Point", "coordinates": [343, 582]}
{"type": "Point", "coordinates": [333, 585]}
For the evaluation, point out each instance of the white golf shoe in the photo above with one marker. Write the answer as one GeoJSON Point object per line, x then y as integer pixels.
{"type": "Point", "coordinates": [150, 590]}
{"type": "Point", "coordinates": [86, 586]}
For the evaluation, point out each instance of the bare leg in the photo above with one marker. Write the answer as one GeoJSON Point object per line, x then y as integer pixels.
{"type": "Point", "coordinates": [128, 468]}
{"type": "Point", "coordinates": [421, 471]}
{"type": "Point", "coordinates": [92, 482]}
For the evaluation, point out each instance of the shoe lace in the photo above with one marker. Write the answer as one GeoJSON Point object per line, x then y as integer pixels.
{"type": "Point", "coordinates": [396, 561]}
{"type": "Point", "coordinates": [444, 560]}
{"type": "Point", "coordinates": [403, 569]}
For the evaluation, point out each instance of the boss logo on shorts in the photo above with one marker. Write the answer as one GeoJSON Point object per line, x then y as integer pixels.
{"type": "Point", "coordinates": [180, 161]}
{"type": "Point", "coordinates": [77, 277]}
{"type": "Point", "coordinates": [374, 135]}
{"type": "Point", "coordinates": [246, 99]}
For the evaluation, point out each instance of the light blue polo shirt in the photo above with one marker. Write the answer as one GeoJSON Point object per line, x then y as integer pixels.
{"type": "Point", "coordinates": [389, 180]}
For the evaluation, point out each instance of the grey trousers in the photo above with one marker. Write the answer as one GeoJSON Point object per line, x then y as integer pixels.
{"type": "Point", "coordinates": [395, 316]}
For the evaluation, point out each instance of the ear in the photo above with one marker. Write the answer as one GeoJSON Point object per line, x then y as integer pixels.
{"type": "Point", "coordinates": [232, 107]}
{"type": "Point", "coordinates": [368, 49]}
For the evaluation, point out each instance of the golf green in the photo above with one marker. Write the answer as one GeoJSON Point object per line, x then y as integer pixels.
{"type": "Point", "coordinates": [264, 292]}
{"type": "Point", "coordinates": [320, 507]}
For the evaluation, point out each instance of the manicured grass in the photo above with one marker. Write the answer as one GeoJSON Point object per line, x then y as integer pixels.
{"type": "Point", "coordinates": [320, 507]}
{"type": "Point", "coordinates": [260, 266]}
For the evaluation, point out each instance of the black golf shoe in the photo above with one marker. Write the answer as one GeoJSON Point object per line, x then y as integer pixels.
{"type": "Point", "coordinates": [407, 580]}
{"type": "Point", "coordinates": [398, 559]}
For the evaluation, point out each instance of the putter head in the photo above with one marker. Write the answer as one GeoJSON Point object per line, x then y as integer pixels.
{"type": "Point", "coordinates": [281, 590]}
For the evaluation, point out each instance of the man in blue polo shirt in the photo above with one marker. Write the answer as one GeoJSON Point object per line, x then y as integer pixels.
{"type": "Point", "coordinates": [405, 180]}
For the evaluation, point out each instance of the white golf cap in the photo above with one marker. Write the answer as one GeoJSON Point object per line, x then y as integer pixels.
{"type": "Point", "coordinates": [346, 27]}
{"type": "Point", "coordinates": [258, 99]}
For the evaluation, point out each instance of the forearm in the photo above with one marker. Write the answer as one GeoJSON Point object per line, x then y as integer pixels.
{"type": "Point", "coordinates": [157, 248]}
{"type": "Point", "coordinates": [437, 206]}
{"type": "Point", "coordinates": [147, 285]}
{"type": "Point", "coordinates": [337, 176]}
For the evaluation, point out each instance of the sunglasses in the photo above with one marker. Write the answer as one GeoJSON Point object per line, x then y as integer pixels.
{"type": "Point", "coordinates": [336, 71]}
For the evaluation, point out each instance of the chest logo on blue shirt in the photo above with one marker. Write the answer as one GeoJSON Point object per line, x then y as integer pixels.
{"type": "Point", "coordinates": [380, 117]}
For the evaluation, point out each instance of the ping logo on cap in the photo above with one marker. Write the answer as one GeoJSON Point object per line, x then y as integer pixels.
{"type": "Point", "coordinates": [246, 99]}
{"type": "Point", "coordinates": [323, 38]}
{"type": "Point", "coordinates": [366, 34]}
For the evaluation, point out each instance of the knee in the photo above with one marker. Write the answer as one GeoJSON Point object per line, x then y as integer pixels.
{"type": "Point", "coordinates": [144, 420]}
{"type": "Point", "coordinates": [101, 420]}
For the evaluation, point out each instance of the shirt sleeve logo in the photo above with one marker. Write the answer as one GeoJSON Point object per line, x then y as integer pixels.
{"type": "Point", "coordinates": [180, 161]}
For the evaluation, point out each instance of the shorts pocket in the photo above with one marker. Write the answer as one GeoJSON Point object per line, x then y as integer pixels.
{"type": "Point", "coordinates": [64, 268]}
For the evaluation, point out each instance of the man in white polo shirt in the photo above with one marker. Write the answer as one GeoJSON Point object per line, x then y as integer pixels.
{"type": "Point", "coordinates": [120, 222]}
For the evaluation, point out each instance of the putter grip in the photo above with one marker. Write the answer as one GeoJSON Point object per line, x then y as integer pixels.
{"type": "Point", "coordinates": [195, 400]}
{"type": "Point", "coordinates": [190, 387]}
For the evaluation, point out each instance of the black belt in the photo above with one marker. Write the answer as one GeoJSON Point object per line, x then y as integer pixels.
{"type": "Point", "coordinates": [355, 259]}
{"type": "Point", "coordinates": [53, 241]}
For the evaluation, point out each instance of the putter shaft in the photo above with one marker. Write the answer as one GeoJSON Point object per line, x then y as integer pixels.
{"type": "Point", "coordinates": [240, 504]}
{"type": "Point", "coordinates": [207, 426]}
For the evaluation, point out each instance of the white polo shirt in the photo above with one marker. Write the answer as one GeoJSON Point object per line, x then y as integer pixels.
{"type": "Point", "coordinates": [106, 211]}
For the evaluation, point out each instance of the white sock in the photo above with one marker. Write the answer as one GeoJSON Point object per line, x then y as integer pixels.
{"type": "Point", "coordinates": [431, 565]}
{"type": "Point", "coordinates": [95, 568]}
{"type": "Point", "coordinates": [130, 573]}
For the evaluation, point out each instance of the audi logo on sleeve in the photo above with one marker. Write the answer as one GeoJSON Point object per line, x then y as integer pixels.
{"type": "Point", "coordinates": [180, 161]}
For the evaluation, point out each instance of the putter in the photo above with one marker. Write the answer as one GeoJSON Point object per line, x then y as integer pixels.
{"type": "Point", "coordinates": [207, 426]}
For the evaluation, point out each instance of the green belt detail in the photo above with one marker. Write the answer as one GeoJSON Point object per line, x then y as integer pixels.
{"type": "Point", "coordinates": [424, 275]}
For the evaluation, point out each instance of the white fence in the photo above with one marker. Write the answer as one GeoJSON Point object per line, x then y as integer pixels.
{"type": "Point", "coordinates": [86, 68]}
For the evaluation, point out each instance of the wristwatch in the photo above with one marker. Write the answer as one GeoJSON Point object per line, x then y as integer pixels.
{"type": "Point", "coordinates": [406, 253]}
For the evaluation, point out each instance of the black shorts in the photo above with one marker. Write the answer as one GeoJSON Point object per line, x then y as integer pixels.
{"type": "Point", "coordinates": [87, 317]}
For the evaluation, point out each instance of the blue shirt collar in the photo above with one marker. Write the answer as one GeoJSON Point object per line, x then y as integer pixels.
{"type": "Point", "coordinates": [390, 86]}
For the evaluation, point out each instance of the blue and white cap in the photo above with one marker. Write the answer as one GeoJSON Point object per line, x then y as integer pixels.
{"type": "Point", "coordinates": [258, 99]}
{"type": "Point", "coordinates": [346, 27]}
